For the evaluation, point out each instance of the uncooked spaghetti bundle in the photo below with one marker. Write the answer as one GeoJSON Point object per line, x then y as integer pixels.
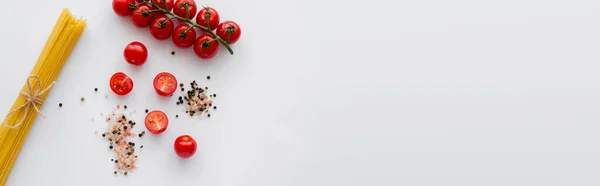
{"type": "Point", "coordinates": [19, 120]}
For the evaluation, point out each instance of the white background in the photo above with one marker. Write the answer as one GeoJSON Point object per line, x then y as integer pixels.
{"type": "Point", "coordinates": [331, 93]}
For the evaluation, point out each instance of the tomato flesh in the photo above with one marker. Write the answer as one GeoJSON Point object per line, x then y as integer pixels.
{"type": "Point", "coordinates": [156, 122]}
{"type": "Point", "coordinates": [185, 146]}
{"type": "Point", "coordinates": [121, 84]}
{"type": "Point", "coordinates": [165, 84]}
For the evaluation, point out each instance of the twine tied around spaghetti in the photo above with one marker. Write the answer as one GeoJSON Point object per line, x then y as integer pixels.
{"type": "Point", "coordinates": [33, 99]}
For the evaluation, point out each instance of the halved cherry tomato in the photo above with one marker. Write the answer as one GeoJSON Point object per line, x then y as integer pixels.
{"type": "Point", "coordinates": [122, 7]}
{"type": "Point", "coordinates": [165, 84]}
{"type": "Point", "coordinates": [162, 28]}
{"type": "Point", "coordinates": [121, 84]}
{"type": "Point", "coordinates": [156, 122]}
{"type": "Point", "coordinates": [141, 16]}
{"type": "Point", "coordinates": [205, 46]}
{"type": "Point", "coordinates": [180, 8]}
{"type": "Point", "coordinates": [208, 17]}
{"type": "Point", "coordinates": [135, 53]}
{"type": "Point", "coordinates": [229, 31]}
{"type": "Point", "coordinates": [184, 39]}
{"type": "Point", "coordinates": [164, 4]}
{"type": "Point", "coordinates": [185, 146]}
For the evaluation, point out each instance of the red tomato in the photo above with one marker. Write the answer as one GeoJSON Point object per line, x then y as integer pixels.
{"type": "Point", "coordinates": [180, 8]}
{"type": "Point", "coordinates": [139, 1]}
{"type": "Point", "coordinates": [229, 31]}
{"type": "Point", "coordinates": [156, 122]}
{"type": "Point", "coordinates": [164, 4]}
{"type": "Point", "coordinates": [205, 46]}
{"type": "Point", "coordinates": [122, 7]}
{"type": "Point", "coordinates": [185, 146]}
{"type": "Point", "coordinates": [208, 17]}
{"type": "Point", "coordinates": [183, 39]}
{"type": "Point", "coordinates": [121, 84]}
{"type": "Point", "coordinates": [135, 53]}
{"type": "Point", "coordinates": [162, 28]}
{"type": "Point", "coordinates": [141, 17]}
{"type": "Point", "coordinates": [165, 84]}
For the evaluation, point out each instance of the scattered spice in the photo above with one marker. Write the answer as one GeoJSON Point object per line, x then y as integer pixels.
{"type": "Point", "coordinates": [82, 99]}
{"type": "Point", "coordinates": [197, 99]}
{"type": "Point", "coordinates": [118, 134]}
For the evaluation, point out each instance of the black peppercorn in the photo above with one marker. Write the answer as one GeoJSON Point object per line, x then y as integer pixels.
{"type": "Point", "coordinates": [112, 160]}
{"type": "Point", "coordinates": [215, 107]}
{"type": "Point", "coordinates": [123, 117]}
{"type": "Point", "coordinates": [209, 115]}
{"type": "Point", "coordinates": [182, 89]}
{"type": "Point", "coordinates": [125, 106]}
{"type": "Point", "coordinates": [115, 172]}
{"type": "Point", "coordinates": [125, 127]}
{"type": "Point", "coordinates": [96, 89]}
{"type": "Point", "coordinates": [176, 116]}
{"type": "Point", "coordinates": [60, 105]}
{"type": "Point", "coordinates": [141, 146]}
{"type": "Point", "coordinates": [116, 161]}
{"type": "Point", "coordinates": [103, 135]}
{"type": "Point", "coordinates": [125, 173]}
{"type": "Point", "coordinates": [110, 147]}
{"type": "Point", "coordinates": [146, 110]}
{"type": "Point", "coordinates": [172, 52]}
{"type": "Point", "coordinates": [181, 85]}
{"type": "Point", "coordinates": [207, 77]}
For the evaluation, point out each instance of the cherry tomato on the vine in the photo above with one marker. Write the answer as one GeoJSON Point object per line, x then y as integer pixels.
{"type": "Point", "coordinates": [180, 5]}
{"type": "Point", "coordinates": [165, 84]}
{"type": "Point", "coordinates": [208, 17]}
{"type": "Point", "coordinates": [183, 39]}
{"type": "Point", "coordinates": [164, 4]}
{"type": "Point", "coordinates": [121, 84]}
{"type": "Point", "coordinates": [185, 146]}
{"type": "Point", "coordinates": [229, 31]}
{"type": "Point", "coordinates": [205, 46]}
{"type": "Point", "coordinates": [123, 7]}
{"type": "Point", "coordinates": [162, 28]}
{"type": "Point", "coordinates": [156, 122]}
{"type": "Point", "coordinates": [141, 16]}
{"type": "Point", "coordinates": [135, 53]}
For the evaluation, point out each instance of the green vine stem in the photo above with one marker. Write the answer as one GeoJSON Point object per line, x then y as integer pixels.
{"type": "Point", "coordinates": [187, 20]}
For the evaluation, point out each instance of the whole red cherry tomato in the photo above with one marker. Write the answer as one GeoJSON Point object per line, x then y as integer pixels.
{"type": "Point", "coordinates": [180, 5]}
{"type": "Point", "coordinates": [162, 28]}
{"type": "Point", "coordinates": [164, 4]}
{"type": "Point", "coordinates": [185, 146]}
{"type": "Point", "coordinates": [141, 16]}
{"type": "Point", "coordinates": [183, 39]}
{"type": "Point", "coordinates": [120, 83]}
{"type": "Point", "coordinates": [135, 53]}
{"type": "Point", "coordinates": [123, 7]}
{"type": "Point", "coordinates": [229, 31]}
{"type": "Point", "coordinates": [205, 46]}
{"type": "Point", "coordinates": [208, 17]}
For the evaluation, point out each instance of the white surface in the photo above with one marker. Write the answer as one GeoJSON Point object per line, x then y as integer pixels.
{"type": "Point", "coordinates": [332, 93]}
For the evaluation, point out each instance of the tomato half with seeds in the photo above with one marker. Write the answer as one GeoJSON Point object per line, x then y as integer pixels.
{"type": "Point", "coordinates": [156, 122]}
{"type": "Point", "coordinates": [135, 53]}
{"type": "Point", "coordinates": [165, 84]}
{"type": "Point", "coordinates": [208, 17]}
{"type": "Point", "coordinates": [121, 84]}
{"type": "Point", "coordinates": [185, 146]}
{"type": "Point", "coordinates": [206, 46]}
{"type": "Point", "coordinates": [183, 39]}
{"type": "Point", "coordinates": [122, 7]}
{"type": "Point", "coordinates": [180, 5]}
{"type": "Point", "coordinates": [229, 31]}
{"type": "Point", "coordinates": [162, 28]}
{"type": "Point", "coordinates": [141, 16]}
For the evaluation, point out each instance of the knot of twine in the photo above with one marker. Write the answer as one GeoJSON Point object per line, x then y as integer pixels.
{"type": "Point", "coordinates": [33, 99]}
